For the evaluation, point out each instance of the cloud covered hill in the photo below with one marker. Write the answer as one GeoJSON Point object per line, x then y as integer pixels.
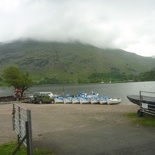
{"type": "Point", "coordinates": [70, 62]}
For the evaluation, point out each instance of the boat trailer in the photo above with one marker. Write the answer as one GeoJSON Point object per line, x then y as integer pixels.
{"type": "Point", "coordinates": [147, 103]}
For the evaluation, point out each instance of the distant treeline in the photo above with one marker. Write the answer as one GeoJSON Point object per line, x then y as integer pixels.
{"type": "Point", "coordinates": [117, 76]}
{"type": "Point", "coordinates": [147, 76]}
{"type": "Point", "coordinates": [113, 76]}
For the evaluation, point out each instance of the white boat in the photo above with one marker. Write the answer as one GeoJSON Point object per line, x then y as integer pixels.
{"type": "Point", "coordinates": [111, 101]}
{"type": "Point", "coordinates": [82, 94]}
{"type": "Point", "coordinates": [84, 100]}
{"type": "Point", "coordinates": [59, 99]}
{"type": "Point", "coordinates": [94, 100]}
{"type": "Point", "coordinates": [75, 100]}
{"type": "Point", "coordinates": [92, 94]}
{"type": "Point", "coordinates": [67, 100]}
{"type": "Point", "coordinates": [103, 100]}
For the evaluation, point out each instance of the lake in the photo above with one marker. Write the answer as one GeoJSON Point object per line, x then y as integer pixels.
{"type": "Point", "coordinates": [113, 90]}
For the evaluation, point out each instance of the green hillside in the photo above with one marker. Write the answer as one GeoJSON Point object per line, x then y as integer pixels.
{"type": "Point", "coordinates": [71, 62]}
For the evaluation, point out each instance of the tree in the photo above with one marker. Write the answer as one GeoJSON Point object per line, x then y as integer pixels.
{"type": "Point", "coordinates": [13, 77]}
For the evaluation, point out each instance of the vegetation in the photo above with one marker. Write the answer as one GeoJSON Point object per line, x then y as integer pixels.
{"type": "Point", "coordinates": [21, 81]}
{"type": "Point", "coordinates": [116, 76]}
{"type": "Point", "coordinates": [147, 76]}
{"type": "Point", "coordinates": [47, 80]}
{"type": "Point", "coordinates": [53, 62]}
{"type": "Point", "coordinates": [8, 148]}
{"type": "Point", "coordinates": [146, 120]}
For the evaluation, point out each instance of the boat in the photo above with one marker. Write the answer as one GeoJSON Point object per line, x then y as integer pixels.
{"type": "Point", "coordinates": [59, 99]}
{"type": "Point", "coordinates": [134, 99]}
{"type": "Point", "coordinates": [94, 100]}
{"type": "Point", "coordinates": [75, 100]}
{"type": "Point", "coordinates": [137, 99]}
{"type": "Point", "coordinates": [68, 99]}
{"type": "Point", "coordinates": [82, 94]}
{"type": "Point", "coordinates": [84, 100]}
{"type": "Point", "coordinates": [92, 95]}
{"type": "Point", "coordinates": [103, 100]}
{"type": "Point", "coordinates": [111, 101]}
{"type": "Point", "coordinates": [110, 80]}
{"type": "Point", "coordinates": [146, 103]}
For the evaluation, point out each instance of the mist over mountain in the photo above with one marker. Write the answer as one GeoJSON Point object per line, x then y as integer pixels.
{"type": "Point", "coordinates": [71, 62]}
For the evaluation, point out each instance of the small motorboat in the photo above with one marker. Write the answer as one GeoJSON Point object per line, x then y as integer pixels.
{"type": "Point", "coordinates": [94, 100]}
{"type": "Point", "coordinates": [92, 95]}
{"type": "Point", "coordinates": [59, 99]}
{"type": "Point", "coordinates": [67, 99]}
{"type": "Point", "coordinates": [75, 100]}
{"type": "Point", "coordinates": [103, 100]}
{"type": "Point", "coordinates": [82, 94]}
{"type": "Point", "coordinates": [84, 100]}
{"type": "Point", "coordinates": [111, 101]}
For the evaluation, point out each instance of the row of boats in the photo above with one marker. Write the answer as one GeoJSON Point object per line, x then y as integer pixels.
{"type": "Point", "coordinates": [83, 98]}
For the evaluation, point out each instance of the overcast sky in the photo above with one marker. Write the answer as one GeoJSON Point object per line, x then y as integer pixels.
{"type": "Point", "coordinates": [124, 24]}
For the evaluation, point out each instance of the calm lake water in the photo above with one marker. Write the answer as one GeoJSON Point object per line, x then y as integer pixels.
{"type": "Point", "coordinates": [113, 90]}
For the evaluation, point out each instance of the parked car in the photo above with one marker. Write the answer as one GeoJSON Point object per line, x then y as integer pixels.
{"type": "Point", "coordinates": [43, 97]}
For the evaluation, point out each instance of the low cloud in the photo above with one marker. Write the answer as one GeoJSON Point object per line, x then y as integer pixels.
{"type": "Point", "coordinates": [114, 23]}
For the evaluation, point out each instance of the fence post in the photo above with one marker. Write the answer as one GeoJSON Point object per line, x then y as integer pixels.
{"type": "Point", "coordinates": [19, 117]}
{"type": "Point", "coordinates": [13, 117]}
{"type": "Point", "coordinates": [29, 134]}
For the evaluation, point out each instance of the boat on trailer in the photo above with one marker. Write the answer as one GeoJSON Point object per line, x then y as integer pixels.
{"type": "Point", "coordinates": [146, 102]}
{"type": "Point", "coordinates": [137, 99]}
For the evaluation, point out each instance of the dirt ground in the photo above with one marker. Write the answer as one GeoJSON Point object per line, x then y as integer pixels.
{"type": "Point", "coordinates": [62, 126]}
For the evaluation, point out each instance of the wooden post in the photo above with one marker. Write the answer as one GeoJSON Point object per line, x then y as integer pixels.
{"type": "Point", "coordinates": [29, 134]}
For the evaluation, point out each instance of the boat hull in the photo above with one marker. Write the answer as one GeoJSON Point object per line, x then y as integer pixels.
{"type": "Point", "coordinates": [68, 100]}
{"type": "Point", "coordinates": [102, 101]}
{"type": "Point", "coordinates": [144, 99]}
{"type": "Point", "coordinates": [94, 101]}
{"type": "Point", "coordinates": [134, 99]}
{"type": "Point", "coordinates": [75, 100]}
{"type": "Point", "coordinates": [58, 100]}
{"type": "Point", "coordinates": [84, 101]}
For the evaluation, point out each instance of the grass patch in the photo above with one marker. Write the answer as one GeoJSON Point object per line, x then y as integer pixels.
{"type": "Point", "coordinates": [146, 120]}
{"type": "Point", "coordinates": [8, 148]}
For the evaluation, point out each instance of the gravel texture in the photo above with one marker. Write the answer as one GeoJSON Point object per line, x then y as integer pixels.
{"type": "Point", "coordinates": [74, 129]}
{"type": "Point", "coordinates": [48, 118]}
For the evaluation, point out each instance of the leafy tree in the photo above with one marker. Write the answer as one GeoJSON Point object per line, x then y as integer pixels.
{"type": "Point", "coordinates": [12, 76]}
